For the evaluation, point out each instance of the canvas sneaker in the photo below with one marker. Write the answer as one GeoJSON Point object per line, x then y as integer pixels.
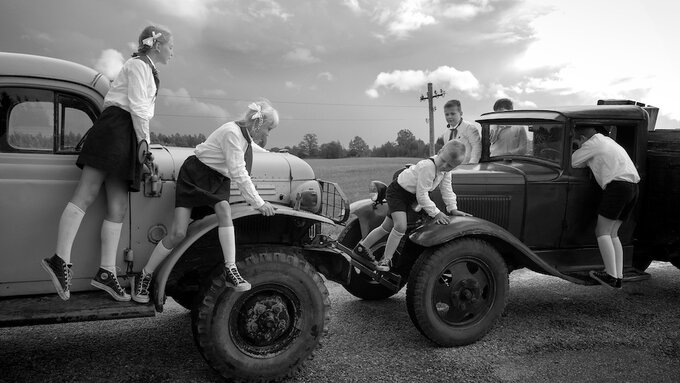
{"type": "Point", "coordinates": [605, 279]}
{"type": "Point", "coordinates": [383, 264]}
{"type": "Point", "coordinates": [140, 287]}
{"type": "Point", "coordinates": [363, 252]}
{"type": "Point", "coordinates": [108, 282]}
{"type": "Point", "coordinates": [61, 274]}
{"type": "Point", "coordinates": [235, 279]}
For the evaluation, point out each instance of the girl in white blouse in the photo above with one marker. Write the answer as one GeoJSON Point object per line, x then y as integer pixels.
{"type": "Point", "coordinates": [410, 187]}
{"type": "Point", "coordinates": [109, 158]}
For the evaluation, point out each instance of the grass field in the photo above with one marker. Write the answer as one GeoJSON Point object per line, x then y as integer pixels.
{"type": "Point", "coordinates": [354, 174]}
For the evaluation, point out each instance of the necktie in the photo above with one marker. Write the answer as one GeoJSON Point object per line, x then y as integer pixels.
{"type": "Point", "coordinates": [248, 157]}
{"type": "Point", "coordinates": [154, 72]}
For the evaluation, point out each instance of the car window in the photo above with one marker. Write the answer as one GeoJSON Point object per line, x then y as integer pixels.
{"type": "Point", "coordinates": [29, 117]}
{"type": "Point", "coordinates": [30, 124]}
{"type": "Point", "coordinates": [538, 140]}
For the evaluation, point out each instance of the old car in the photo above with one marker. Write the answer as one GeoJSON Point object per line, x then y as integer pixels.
{"type": "Point", "coordinates": [46, 106]}
{"type": "Point", "coordinates": [530, 210]}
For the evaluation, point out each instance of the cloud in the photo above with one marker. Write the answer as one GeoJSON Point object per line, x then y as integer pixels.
{"type": "Point", "coordinates": [181, 103]}
{"type": "Point", "coordinates": [328, 76]}
{"type": "Point", "coordinates": [301, 55]}
{"type": "Point", "coordinates": [372, 93]}
{"type": "Point", "coordinates": [410, 16]}
{"type": "Point", "coordinates": [466, 11]}
{"type": "Point", "coordinates": [109, 63]}
{"type": "Point", "coordinates": [353, 5]}
{"type": "Point", "coordinates": [292, 85]}
{"type": "Point", "coordinates": [414, 80]}
{"type": "Point", "coordinates": [263, 9]}
{"type": "Point", "coordinates": [197, 10]}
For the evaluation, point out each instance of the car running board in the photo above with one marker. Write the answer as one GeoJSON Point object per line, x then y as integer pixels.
{"type": "Point", "coordinates": [630, 274]}
{"type": "Point", "coordinates": [386, 278]}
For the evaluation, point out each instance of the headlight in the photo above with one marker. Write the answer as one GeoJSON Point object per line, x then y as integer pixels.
{"type": "Point", "coordinates": [308, 197]}
{"type": "Point", "coordinates": [377, 191]}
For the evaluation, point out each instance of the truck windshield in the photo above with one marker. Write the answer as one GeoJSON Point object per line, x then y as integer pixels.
{"type": "Point", "coordinates": [539, 140]}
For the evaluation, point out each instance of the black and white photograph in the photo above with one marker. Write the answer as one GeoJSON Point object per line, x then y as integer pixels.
{"type": "Point", "coordinates": [339, 191]}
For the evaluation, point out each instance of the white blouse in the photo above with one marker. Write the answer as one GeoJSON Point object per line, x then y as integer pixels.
{"type": "Point", "coordinates": [422, 178]}
{"type": "Point", "coordinates": [606, 159]}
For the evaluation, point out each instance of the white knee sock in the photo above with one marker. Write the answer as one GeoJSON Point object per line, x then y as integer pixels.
{"type": "Point", "coordinates": [392, 243]}
{"type": "Point", "coordinates": [68, 227]}
{"type": "Point", "coordinates": [157, 256]}
{"type": "Point", "coordinates": [228, 242]}
{"type": "Point", "coordinates": [604, 242]}
{"type": "Point", "coordinates": [110, 237]}
{"type": "Point", "coordinates": [374, 236]}
{"type": "Point", "coordinates": [618, 252]}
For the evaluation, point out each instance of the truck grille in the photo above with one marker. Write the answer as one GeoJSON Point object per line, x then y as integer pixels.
{"type": "Point", "coordinates": [334, 203]}
{"type": "Point", "coordinates": [491, 208]}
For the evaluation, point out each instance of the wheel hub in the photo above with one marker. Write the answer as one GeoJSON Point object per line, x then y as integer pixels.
{"type": "Point", "coordinates": [266, 319]}
{"type": "Point", "coordinates": [464, 293]}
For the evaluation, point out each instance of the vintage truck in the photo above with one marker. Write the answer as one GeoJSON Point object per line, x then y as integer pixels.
{"type": "Point", "coordinates": [529, 211]}
{"type": "Point", "coordinates": [267, 333]}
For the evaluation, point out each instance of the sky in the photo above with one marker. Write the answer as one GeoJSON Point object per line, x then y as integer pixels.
{"type": "Point", "coordinates": [346, 68]}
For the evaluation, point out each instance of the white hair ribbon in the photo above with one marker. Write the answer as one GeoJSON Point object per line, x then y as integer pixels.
{"type": "Point", "coordinates": [258, 110]}
{"type": "Point", "coordinates": [151, 39]}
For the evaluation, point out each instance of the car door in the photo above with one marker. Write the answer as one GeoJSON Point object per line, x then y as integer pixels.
{"type": "Point", "coordinates": [40, 127]}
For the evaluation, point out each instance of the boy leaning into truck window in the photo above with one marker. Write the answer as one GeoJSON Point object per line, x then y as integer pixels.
{"type": "Point", "coordinates": [410, 187]}
{"type": "Point", "coordinates": [616, 174]}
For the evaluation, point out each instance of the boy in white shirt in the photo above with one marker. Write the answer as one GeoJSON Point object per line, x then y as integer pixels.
{"type": "Point", "coordinates": [411, 186]}
{"type": "Point", "coordinates": [616, 174]}
{"type": "Point", "coordinates": [463, 131]}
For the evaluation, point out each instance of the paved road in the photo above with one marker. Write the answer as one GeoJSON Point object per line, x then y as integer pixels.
{"type": "Point", "coordinates": [552, 331]}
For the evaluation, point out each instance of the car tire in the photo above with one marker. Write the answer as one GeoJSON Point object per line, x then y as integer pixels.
{"type": "Point", "coordinates": [361, 285]}
{"type": "Point", "coordinates": [457, 291]}
{"type": "Point", "coordinates": [268, 332]}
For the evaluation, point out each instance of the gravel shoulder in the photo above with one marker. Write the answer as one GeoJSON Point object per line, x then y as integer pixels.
{"type": "Point", "coordinates": [552, 330]}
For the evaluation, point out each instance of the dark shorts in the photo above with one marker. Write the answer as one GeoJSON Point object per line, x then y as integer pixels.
{"type": "Point", "coordinates": [200, 187]}
{"type": "Point", "coordinates": [398, 198]}
{"type": "Point", "coordinates": [111, 146]}
{"type": "Point", "coordinates": [618, 200]}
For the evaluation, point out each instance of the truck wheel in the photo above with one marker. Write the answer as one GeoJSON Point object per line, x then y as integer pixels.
{"type": "Point", "coordinates": [361, 285]}
{"type": "Point", "coordinates": [268, 332]}
{"type": "Point", "coordinates": [457, 291]}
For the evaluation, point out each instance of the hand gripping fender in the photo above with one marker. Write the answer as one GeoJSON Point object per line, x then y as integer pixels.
{"type": "Point", "coordinates": [199, 228]}
{"type": "Point", "coordinates": [432, 234]}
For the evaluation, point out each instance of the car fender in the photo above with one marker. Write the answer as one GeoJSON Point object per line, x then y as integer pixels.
{"type": "Point", "coordinates": [432, 234]}
{"type": "Point", "coordinates": [199, 228]}
{"type": "Point", "coordinates": [369, 214]}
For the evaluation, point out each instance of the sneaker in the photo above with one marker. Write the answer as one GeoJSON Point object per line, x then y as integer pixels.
{"type": "Point", "coordinates": [235, 279]}
{"type": "Point", "coordinates": [383, 264]}
{"type": "Point", "coordinates": [108, 282]}
{"type": "Point", "coordinates": [61, 274]}
{"type": "Point", "coordinates": [605, 279]}
{"type": "Point", "coordinates": [363, 252]}
{"type": "Point", "coordinates": [619, 283]}
{"type": "Point", "coordinates": [140, 287]}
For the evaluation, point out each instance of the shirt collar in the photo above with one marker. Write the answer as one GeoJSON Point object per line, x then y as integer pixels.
{"type": "Point", "coordinates": [151, 62]}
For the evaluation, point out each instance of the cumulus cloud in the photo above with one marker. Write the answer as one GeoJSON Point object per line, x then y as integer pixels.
{"type": "Point", "coordinates": [466, 11]}
{"type": "Point", "coordinates": [180, 102]}
{"type": "Point", "coordinates": [267, 8]}
{"type": "Point", "coordinates": [197, 10]}
{"type": "Point", "coordinates": [301, 55]}
{"type": "Point", "coordinates": [353, 5]}
{"type": "Point", "coordinates": [410, 16]}
{"type": "Point", "coordinates": [109, 63]}
{"type": "Point", "coordinates": [414, 80]}
{"type": "Point", "coordinates": [328, 76]}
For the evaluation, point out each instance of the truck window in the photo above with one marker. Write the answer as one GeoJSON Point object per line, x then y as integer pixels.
{"type": "Point", "coordinates": [28, 118]}
{"type": "Point", "coordinates": [538, 140]}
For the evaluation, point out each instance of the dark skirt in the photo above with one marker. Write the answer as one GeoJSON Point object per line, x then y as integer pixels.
{"type": "Point", "coordinates": [200, 187]}
{"type": "Point", "coordinates": [111, 146]}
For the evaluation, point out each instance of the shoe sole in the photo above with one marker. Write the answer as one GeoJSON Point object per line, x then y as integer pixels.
{"type": "Point", "coordinates": [382, 268]}
{"type": "Point", "coordinates": [241, 287]}
{"type": "Point", "coordinates": [600, 281]}
{"type": "Point", "coordinates": [111, 292]}
{"type": "Point", "coordinates": [63, 294]}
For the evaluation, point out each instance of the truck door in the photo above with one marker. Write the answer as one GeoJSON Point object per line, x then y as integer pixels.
{"type": "Point", "coordinates": [39, 129]}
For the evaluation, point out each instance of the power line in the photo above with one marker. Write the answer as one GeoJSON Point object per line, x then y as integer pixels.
{"type": "Point", "coordinates": [291, 102]}
{"type": "Point", "coordinates": [293, 119]}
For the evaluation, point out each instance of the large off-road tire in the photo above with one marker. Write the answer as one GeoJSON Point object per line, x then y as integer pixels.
{"type": "Point", "coordinates": [361, 285]}
{"type": "Point", "coordinates": [457, 291]}
{"type": "Point", "coordinates": [268, 332]}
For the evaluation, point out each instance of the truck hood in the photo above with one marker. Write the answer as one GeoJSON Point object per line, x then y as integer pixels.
{"type": "Point", "coordinates": [266, 165]}
{"type": "Point", "coordinates": [507, 172]}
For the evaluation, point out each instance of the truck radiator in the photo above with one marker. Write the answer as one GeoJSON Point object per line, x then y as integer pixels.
{"type": "Point", "coordinates": [491, 208]}
{"type": "Point", "coordinates": [334, 203]}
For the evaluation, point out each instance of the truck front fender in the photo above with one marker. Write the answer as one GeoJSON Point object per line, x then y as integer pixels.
{"type": "Point", "coordinates": [199, 228]}
{"type": "Point", "coordinates": [432, 234]}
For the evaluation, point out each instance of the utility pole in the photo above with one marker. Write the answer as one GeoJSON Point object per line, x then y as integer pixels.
{"type": "Point", "coordinates": [430, 96]}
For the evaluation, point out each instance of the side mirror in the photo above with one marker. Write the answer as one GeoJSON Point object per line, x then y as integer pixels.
{"type": "Point", "coordinates": [377, 191]}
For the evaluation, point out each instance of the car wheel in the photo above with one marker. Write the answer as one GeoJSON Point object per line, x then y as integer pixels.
{"type": "Point", "coordinates": [457, 291]}
{"type": "Point", "coordinates": [268, 332]}
{"type": "Point", "coordinates": [361, 285]}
